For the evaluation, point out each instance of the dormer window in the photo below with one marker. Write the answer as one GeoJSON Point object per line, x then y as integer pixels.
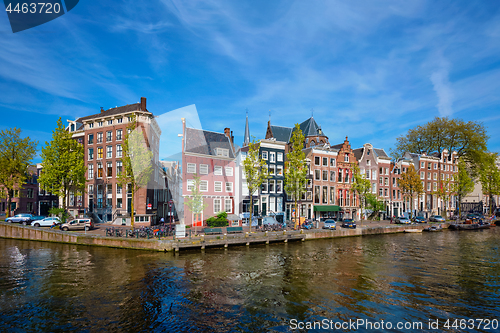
{"type": "Point", "coordinates": [222, 152]}
{"type": "Point", "coordinates": [91, 125]}
{"type": "Point", "coordinates": [110, 122]}
{"type": "Point", "coordinates": [100, 123]}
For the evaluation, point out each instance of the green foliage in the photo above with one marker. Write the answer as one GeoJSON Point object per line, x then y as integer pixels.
{"type": "Point", "coordinates": [218, 221]}
{"type": "Point", "coordinates": [489, 176]}
{"type": "Point", "coordinates": [374, 204]}
{"type": "Point", "coordinates": [360, 186]}
{"type": "Point", "coordinates": [137, 162]}
{"type": "Point", "coordinates": [296, 168]}
{"type": "Point", "coordinates": [464, 184]}
{"type": "Point", "coordinates": [411, 185]}
{"type": "Point", "coordinates": [255, 169]}
{"type": "Point", "coordinates": [16, 154]}
{"type": "Point", "coordinates": [63, 164]}
{"type": "Point", "coordinates": [468, 139]}
{"type": "Point", "coordinates": [195, 202]}
{"type": "Point", "coordinates": [59, 212]}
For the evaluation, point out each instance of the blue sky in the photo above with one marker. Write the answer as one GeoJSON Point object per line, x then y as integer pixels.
{"type": "Point", "coordinates": [369, 69]}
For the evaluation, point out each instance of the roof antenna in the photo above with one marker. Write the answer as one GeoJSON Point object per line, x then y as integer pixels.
{"type": "Point", "coordinates": [269, 115]}
{"type": "Point", "coordinates": [312, 113]}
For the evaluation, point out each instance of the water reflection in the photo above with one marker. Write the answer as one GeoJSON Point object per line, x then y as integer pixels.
{"type": "Point", "coordinates": [404, 277]}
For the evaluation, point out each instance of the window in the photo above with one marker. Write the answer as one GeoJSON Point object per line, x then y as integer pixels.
{"type": "Point", "coordinates": [380, 180]}
{"type": "Point", "coordinates": [271, 185]}
{"type": "Point", "coordinates": [119, 134]}
{"type": "Point", "coordinates": [109, 151]}
{"type": "Point", "coordinates": [91, 154]}
{"type": "Point", "coordinates": [109, 169]}
{"type": "Point", "coordinates": [325, 195]}
{"type": "Point", "coordinates": [385, 192]}
{"type": "Point", "coordinates": [91, 139]}
{"type": "Point", "coordinates": [119, 202]}
{"type": "Point", "coordinates": [190, 184]}
{"type": "Point", "coordinates": [380, 191]}
{"type": "Point", "coordinates": [435, 176]}
{"type": "Point", "coordinates": [99, 137]}
{"type": "Point", "coordinates": [271, 170]}
{"type": "Point", "coordinates": [316, 160]}
{"type": "Point", "coordinates": [119, 120]}
{"type": "Point", "coordinates": [99, 170]}
{"type": "Point", "coordinates": [317, 174]}
{"type": "Point", "coordinates": [204, 185]}
{"type": "Point", "coordinates": [118, 189]}
{"type": "Point", "coordinates": [91, 125]}
{"type": "Point", "coordinates": [386, 181]}
{"type": "Point", "coordinates": [118, 167]}
{"type": "Point", "coordinates": [316, 194]}
{"type": "Point", "coordinates": [191, 168]}
{"type": "Point", "coordinates": [428, 186]}
{"type": "Point", "coordinates": [204, 169]}
{"type": "Point", "coordinates": [325, 161]}
{"type": "Point", "coordinates": [280, 157]}
{"type": "Point", "coordinates": [325, 174]}
{"type": "Point", "coordinates": [434, 185]}
{"type": "Point", "coordinates": [109, 136]}
{"type": "Point", "coordinates": [346, 157]}
{"type": "Point", "coordinates": [99, 153]}
{"type": "Point", "coordinates": [368, 162]}
{"type": "Point", "coordinates": [218, 186]}
{"type": "Point", "coordinates": [218, 170]}
{"type": "Point", "coordinates": [374, 188]}
{"type": "Point", "coordinates": [129, 118]}
{"type": "Point", "coordinates": [279, 186]}
{"type": "Point", "coordinates": [119, 151]}
{"type": "Point", "coordinates": [216, 206]}
{"type": "Point", "coordinates": [264, 155]}
{"type": "Point", "coordinates": [374, 175]}
{"type": "Point", "coordinates": [229, 187]}
{"type": "Point", "coordinates": [367, 174]}
{"type": "Point", "coordinates": [272, 157]}
{"type": "Point", "coordinates": [422, 164]}
{"type": "Point", "coordinates": [229, 171]}
{"type": "Point", "coordinates": [332, 176]}
{"type": "Point", "coordinates": [332, 195]}
{"type": "Point", "coordinates": [279, 170]}
{"type": "Point", "coordinates": [110, 122]}
{"type": "Point", "coordinates": [91, 171]}
{"type": "Point", "coordinates": [386, 171]}
{"type": "Point", "coordinates": [340, 176]}
{"type": "Point", "coordinates": [100, 123]}
{"type": "Point", "coordinates": [429, 175]}
{"type": "Point", "coordinates": [264, 187]}
{"type": "Point", "coordinates": [435, 166]}
{"type": "Point", "coordinates": [332, 162]}
{"type": "Point", "coordinates": [422, 175]}
{"type": "Point", "coordinates": [222, 152]}
{"type": "Point", "coordinates": [228, 205]}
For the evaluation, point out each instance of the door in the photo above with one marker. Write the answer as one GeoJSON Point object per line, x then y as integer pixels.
{"type": "Point", "coordinates": [264, 209]}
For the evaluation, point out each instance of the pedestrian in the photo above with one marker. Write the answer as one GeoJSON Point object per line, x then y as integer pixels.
{"type": "Point", "coordinates": [162, 221]}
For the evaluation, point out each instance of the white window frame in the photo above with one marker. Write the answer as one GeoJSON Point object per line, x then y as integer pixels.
{"type": "Point", "coordinates": [204, 185]}
{"type": "Point", "coordinates": [280, 157]}
{"type": "Point", "coordinates": [217, 170]}
{"type": "Point", "coordinates": [217, 186]}
{"type": "Point", "coordinates": [191, 168]}
{"type": "Point", "coordinates": [279, 170]}
{"type": "Point", "coordinates": [203, 169]}
{"type": "Point", "coordinates": [90, 174]}
{"type": "Point", "coordinates": [229, 187]}
{"type": "Point", "coordinates": [229, 171]}
{"type": "Point", "coordinates": [228, 203]}
{"type": "Point", "coordinates": [272, 157]}
{"type": "Point", "coordinates": [217, 204]}
{"type": "Point", "coordinates": [190, 185]}
{"type": "Point", "coordinates": [264, 155]}
{"type": "Point", "coordinates": [119, 151]}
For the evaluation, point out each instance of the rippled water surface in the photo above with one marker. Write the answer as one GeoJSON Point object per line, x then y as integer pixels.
{"type": "Point", "coordinates": [401, 278]}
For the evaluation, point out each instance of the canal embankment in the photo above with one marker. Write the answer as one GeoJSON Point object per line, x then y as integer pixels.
{"type": "Point", "coordinates": [92, 238]}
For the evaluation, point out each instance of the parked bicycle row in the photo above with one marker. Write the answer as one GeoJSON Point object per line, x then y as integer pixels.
{"type": "Point", "coordinates": [142, 232]}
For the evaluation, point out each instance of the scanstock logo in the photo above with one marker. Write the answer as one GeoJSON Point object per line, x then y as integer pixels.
{"type": "Point", "coordinates": [28, 13]}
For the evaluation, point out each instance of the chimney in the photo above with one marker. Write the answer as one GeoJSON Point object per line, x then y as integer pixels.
{"type": "Point", "coordinates": [102, 109]}
{"type": "Point", "coordinates": [143, 104]}
{"type": "Point", "coordinates": [232, 137]}
{"type": "Point", "coordinates": [227, 132]}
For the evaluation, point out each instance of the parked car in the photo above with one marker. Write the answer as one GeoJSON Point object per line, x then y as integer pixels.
{"type": "Point", "coordinates": [37, 217]}
{"type": "Point", "coordinates": [436, 218]}
{"type": "Point", "coordinates": [348, 223]}
{"type": "Point", "coordinates": [24, 219]}
{"type": "Point", "coordinates": [47, 222]}
{"type": "Point", "coordinates": [403, 220]}
{"type": "Point", "coordinates": [78, 224]}
{"type": "Point", "coordinates": [420, 219]}
{"type": "Point", "coordinates": [330, 224]}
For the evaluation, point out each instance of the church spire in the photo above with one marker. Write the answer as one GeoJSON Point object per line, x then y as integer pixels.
{"type": "Point", "coordinates": [246, 139]}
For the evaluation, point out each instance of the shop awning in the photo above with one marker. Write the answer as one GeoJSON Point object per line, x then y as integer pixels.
{"type": "Point", "coordinates": [331, 208]}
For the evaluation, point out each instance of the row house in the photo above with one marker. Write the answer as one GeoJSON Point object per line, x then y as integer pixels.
{"type": "Point", "coordinates": [102, 136]}
{"type": "Point", "coordinates": [272, 194]}
{"type": "Point", "coordinates": [211, 157]}
{"type": "Point", "coordinates": [30, 198]}
{"type": "Point", "coordinates": [172, 209]}
{"type": "Point", "coordinates": [347, 201]}
{"type": "Point", "coordinates": [375, 165]}
{"type": "Point", "coordinates": [436, 171]}
{"type": "Point", "coordinates": [398, 204]}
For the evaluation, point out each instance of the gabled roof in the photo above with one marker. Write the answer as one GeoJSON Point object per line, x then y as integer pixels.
{"type": "Point", "coordinates": [310, 128]}
{"type": "Point", "coordinates": [205, 142]}
{"type": "Point", "coordinates": [114, 111]}
{"type": "Point", "coordinates": [282, 133]}
{"type": "Point", "coordinates": [380, 153]}
{"type": "Point", "coordinates": [358, 153]}
{"type": "Point", "coordinates": [339, 146]}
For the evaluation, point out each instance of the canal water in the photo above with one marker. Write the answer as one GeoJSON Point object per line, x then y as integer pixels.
{"type": "Point", "coordinates": [387, 283]}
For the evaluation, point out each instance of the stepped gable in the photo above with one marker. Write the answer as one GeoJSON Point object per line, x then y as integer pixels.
{"type": "Point", "coordinates": [205, 142]}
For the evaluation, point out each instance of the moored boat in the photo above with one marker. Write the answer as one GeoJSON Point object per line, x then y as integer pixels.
{"type": "Point", "coordinates": [473, 226]}
{"type": "Point", "coordinates": [434, 228]}
{"type": "Point", "coordinates": [413, 230]}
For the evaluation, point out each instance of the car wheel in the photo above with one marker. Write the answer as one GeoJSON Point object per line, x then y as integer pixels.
{"type": "Point", "coordinates": [37, 224]}
{"type": "Point", "coordinates": [86, 228]}
{"type": "Point", "coordinates": [65, 228]}
{"type": "Point", "coordinates": [25, 223]}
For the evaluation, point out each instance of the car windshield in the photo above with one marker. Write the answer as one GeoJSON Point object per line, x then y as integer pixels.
{"type": "Point", "coordinates": [329, 221]}
{"type": "Point", "coordinates": [438, 217]}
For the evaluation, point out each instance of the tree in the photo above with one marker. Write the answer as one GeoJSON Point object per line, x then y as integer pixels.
{"type": "Point", "coordinates": [296, 169]}
{"type": "Point", "coordinates": [137, 163]}
{"type": "Point", "coordinates": [16, 154]}
{"type": "Point", "coordinates": [63, 162]}
{"type": "Point", "coordinates": [360, 187]}
{"type": "Point", "coordinates": [468, 139]}
{"type": "Point", "coordinates": [374, 204]}
{"type": "Point", "coordinates": [463, 185]}
{"type": "Point", "coordinates": [195, 202]}
{"type": "Point", "coordinates": [444, 191]}
{"type": "Point", "coordinates": [410, 185]}
{"type": "Point", "coordinates": [255, 169]}
{"type": "Point", "coordinates": [489, 176]}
